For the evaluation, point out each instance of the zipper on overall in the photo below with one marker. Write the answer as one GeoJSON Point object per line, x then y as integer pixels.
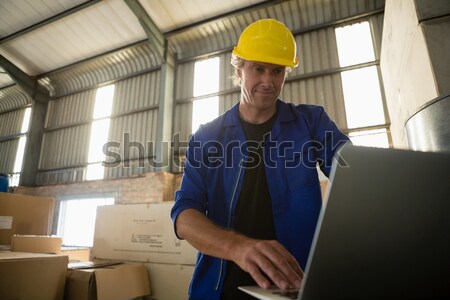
{"type": "Point", "coordinates": [229, 216]}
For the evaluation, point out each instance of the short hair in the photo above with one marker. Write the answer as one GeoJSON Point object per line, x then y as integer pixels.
{"type": "Point", "coordinates": [237, 63]}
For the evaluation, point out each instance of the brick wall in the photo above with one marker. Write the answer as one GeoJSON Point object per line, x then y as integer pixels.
{"type": "Point", "coordinates": [149, 188]}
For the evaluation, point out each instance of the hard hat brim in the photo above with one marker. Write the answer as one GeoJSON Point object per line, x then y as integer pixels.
{"type": "Point", "coordinates": [265, 59]}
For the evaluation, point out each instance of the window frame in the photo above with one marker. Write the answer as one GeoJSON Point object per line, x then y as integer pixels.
{"type": "Point", "coordinates": [370, 129]}
{"type": "Point", "coordinates": [205, 96]}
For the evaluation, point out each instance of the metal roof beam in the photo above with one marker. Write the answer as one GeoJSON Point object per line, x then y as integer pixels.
{"type": "Point", "coordinates": [33, 146]}
{"type": "Point", "coordinates": [28, 83]}
{"type": "Point", "coordinates": [154, 35]}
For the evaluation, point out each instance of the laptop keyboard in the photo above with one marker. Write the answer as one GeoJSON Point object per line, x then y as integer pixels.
{"type": "Point", "coordinates": [288, 294]}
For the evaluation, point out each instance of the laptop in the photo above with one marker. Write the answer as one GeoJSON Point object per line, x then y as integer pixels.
{"type": "Point", "coordinates": [384, 230]}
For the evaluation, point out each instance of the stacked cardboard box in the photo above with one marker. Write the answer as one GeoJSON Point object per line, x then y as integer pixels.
{"type": "Point", "coordinates": [48, 244]}
{"type": "Point", "coordinates": [76, 253]}
{"type": "Point", "coordinates": [144, 233]}
{"type": "Point", "coordinates": [84, 281]}
{"type": "Point", "coordinates": [29, 275]}
{"type": "Point", "coordinates": [139, 232]}
{"type": "Point", "coordinates": [26, 276]}
{"type": "Point", "coordinates": [107, 282]}
{"type": "Point", "coordinates": [169, 281]}
{"type": "Point", "coordinates": [126, 233]}
{"type": "Point", "coordinates": [36, 244]}
{"type": "Point", "coordinates": [23, 214]}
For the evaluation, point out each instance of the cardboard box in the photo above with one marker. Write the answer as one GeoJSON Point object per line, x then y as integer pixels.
{"type": "Point", "coordinates": [140, 232]}
{"type": "Point", "coordinates": [168, 281]}
{"type": "Point", "coordinates": [23, 214]}
{"type": "Point", "coordinates": [117, 282]}
{"type": "Point", "coordinates": [76, 253]}
{"type": "Point", "coordinates": [48, 244]}
{"type": "Point", "coordinates": [31, 276]}
{"type": "Point", "coordinates": [36, 244]}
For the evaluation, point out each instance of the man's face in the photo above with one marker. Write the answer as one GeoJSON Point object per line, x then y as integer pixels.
{"type": "Point", "coordinates": [261, 83]}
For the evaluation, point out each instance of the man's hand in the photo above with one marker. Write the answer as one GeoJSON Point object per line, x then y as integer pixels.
{"type": "Point", "coordinates": [266, 260]}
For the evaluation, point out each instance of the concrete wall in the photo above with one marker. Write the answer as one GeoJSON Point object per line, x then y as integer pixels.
{"type": "Point", "coordinates": [414, 58]}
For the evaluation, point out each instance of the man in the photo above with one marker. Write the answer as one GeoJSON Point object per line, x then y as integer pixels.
{"type": "Point", "coordinates": [250, 195]}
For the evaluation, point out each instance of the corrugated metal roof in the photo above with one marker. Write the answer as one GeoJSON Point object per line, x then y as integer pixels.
{"type": "Point", "coordinates": [118, 64]}
{"type": "Point", "coordinates": [71, 45]}
{"type": "Point", "coordinates": [296, 14]}
{"type": "Point", "coordinates": [101, 27]}
{"type": "Point", "coordinates": [13, 97]}
{"type": "Point", "coordinates": [172, 14]}
{"type": "Point", "coordinates": [5, 80]}
{"type": "Point", "coordinates": [18, 15]}
{"type": "Point", "coordinates": [42, 36]}
{"type": "Point", "coordinates": [8, 149]}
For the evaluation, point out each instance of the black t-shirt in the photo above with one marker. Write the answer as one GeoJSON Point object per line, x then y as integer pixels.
{"type": "Point", "coordinates": [253, 214]}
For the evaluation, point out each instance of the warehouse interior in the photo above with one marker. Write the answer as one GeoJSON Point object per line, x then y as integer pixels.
{"type": "Point", "coordinates": [99, 98]}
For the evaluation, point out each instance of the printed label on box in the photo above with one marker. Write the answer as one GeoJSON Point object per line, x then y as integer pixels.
{"type": "Point", "coordinates": [6, 222]}
{"type": "Point", "coordinates": [140, 232]}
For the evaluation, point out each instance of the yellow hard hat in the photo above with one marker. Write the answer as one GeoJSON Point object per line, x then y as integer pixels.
{"type": "Point", "coordinates": [268, 41]}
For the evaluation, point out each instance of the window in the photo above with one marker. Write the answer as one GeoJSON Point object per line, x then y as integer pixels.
{"type": "Point", "coordinates": [99, 132]}
{"type": "Point", "coordinates": [76, 221]}
{"type": "Point", "coordinates": [206, 81]}
{"type": "Point", "coordinates": [370, 138]}
{"type": "Point", "coordinates": [203, 111]}
{"type": "Point", "coordinates": [361, 86]}
{"type": "Point", "coordinates": [354, 44]}
{"type": "Point", "coordinates": [362, 97]}
{"type": "Point", "coordinates": [15, 178]}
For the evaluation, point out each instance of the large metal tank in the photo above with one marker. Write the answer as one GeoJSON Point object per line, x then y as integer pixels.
{"type": "Point", "coordinates": [428, 129]}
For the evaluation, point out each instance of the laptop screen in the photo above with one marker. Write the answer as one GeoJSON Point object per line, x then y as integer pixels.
{"type": "Point", "coordinates": [385, 228]}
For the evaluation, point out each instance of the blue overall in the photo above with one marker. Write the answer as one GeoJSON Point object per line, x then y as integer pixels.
{"type": "Point", "coordinates": [301, 137]}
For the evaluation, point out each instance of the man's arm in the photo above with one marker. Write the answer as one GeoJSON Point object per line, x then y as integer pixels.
{"type": "Point", "coordinates": [261, 258]}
